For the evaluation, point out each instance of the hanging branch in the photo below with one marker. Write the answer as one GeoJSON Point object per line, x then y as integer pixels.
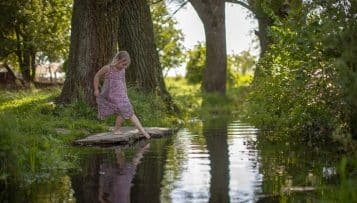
{"type": "Point", "coordinates": [179, 8]}
{"type": "Point", "coordinates": [245, 5]}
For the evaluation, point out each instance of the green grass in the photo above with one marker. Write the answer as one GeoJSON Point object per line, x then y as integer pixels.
{"type": "Point", "coordinates": [196, 104]}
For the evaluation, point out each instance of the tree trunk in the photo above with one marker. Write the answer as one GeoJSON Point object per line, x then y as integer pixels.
{"type": "Point", "coordinates": [25, 67]}
{"type": "Point", "coordinates": [136, 35]}
{"type": "Point", "coordinates": [262, 9]}
{"type": "Point", "coordinates": [264, 23]}
{"type": "Point", "coordinates": [33, 65]}
{"type": "Point", "coordinates": [23, 55]}
{"type": "Point", "coordinates": [212, 14]}
{"type": "Point", "coordinates": [93, 43]}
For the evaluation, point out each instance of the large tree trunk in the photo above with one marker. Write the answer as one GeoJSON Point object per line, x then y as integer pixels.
{"type": "Point", "coordinates": [212, 14]}
{"type": "Point", "coordinates": [265, 40]}
{"type": "Point", "coordinates": [93, 43]}
{"type": "Point", "coordinates": [136, 35]}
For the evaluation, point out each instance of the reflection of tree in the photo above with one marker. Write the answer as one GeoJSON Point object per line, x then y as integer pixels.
{"type": "Point", "coordinates": [148, 178]}
{"type": "Point", "coordinates": [85, 185]}
{"type": "Point", "coordinates": [215, 132]}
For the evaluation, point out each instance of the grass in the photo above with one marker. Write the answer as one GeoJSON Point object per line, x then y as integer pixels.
{"type": "Point", "coordinates": [196, 104]}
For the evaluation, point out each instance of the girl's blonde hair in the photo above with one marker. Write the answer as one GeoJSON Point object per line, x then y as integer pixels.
{"type": "Point", "coordinates": [120, 55]}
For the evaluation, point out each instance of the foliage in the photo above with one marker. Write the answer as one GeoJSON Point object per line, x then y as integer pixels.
{"type": "Point", "coordinates": [168, 38]}
{"type": "Point", "coordinates": [302, 87]}
{"type": "Point", "coordinates": [239, 67]}
{"type": "Point", "coordinates": [196, 64]}
{"type": "Point", "coordinates": [39, 28]}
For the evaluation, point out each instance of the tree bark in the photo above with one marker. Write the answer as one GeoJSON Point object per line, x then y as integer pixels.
{"type": "Point", "coordinates": [212, 14]}
{"type": "Point", "coordinates": [23, 54]}
{"type": "Point", "coordinates": [136, 35]}
{"type": "Point", "coordinates": [93, 43]}
{"type": "Point", "coordinates": [33, 64]}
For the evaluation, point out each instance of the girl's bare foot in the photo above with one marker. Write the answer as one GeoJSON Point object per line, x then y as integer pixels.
{"type": "Point", "coordinates": [147, 135]}
{"type": "Point", "coordinates": [117, 132]}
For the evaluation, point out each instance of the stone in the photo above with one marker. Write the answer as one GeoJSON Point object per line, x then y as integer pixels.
{"type": "Point", "coordinates": [129, 135]}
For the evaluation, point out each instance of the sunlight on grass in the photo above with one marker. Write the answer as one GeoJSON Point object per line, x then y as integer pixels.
{"type": "Point", "coordinates": [11, 100]}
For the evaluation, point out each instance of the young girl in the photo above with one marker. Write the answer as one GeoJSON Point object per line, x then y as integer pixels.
{"type": "Point", "coordinates": [114, 99]}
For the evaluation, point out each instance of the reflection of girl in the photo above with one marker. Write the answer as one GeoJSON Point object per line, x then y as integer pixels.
{"type": "Point", "coordinates": [115, 181]}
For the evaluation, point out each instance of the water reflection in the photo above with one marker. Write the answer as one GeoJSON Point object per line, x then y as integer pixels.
{"type": "Point", "coordinates": [109, 178]}
{"type": "Point", "coordinates": [149, 175]}
{"type": "Point", "coordinates": [115, 179]}
{"type": "Point", "coordinates": [218, 163]}
{"type": "Point", "coordinates": [216, 160]}
{"type": "Point", "coordinates": [245, 179]}
{"type": "Point", "coordinates": [215, 133]}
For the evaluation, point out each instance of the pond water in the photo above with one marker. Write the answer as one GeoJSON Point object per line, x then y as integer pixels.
{"type": "Point", "coordinates": [220, 160]}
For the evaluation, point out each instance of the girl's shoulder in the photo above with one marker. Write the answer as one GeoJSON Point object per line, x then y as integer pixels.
{"type": "Point", "coordinates": [105, 68]}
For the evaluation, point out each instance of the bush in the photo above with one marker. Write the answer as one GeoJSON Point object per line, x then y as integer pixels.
{"type": "Point", "coordinates": [301, 88]}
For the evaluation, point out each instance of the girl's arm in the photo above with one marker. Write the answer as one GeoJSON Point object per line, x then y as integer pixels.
{"type": "Point", "coordinates": [99, 74]}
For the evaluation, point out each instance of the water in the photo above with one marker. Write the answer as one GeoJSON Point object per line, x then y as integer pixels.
{"type": "Point", "coordinates": [212, 161]}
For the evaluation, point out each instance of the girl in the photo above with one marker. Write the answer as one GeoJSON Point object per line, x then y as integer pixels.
{"type": "Point", "coordinates": [114, 99]}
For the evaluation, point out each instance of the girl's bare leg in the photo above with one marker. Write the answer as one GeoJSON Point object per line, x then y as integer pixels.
{"type": "Point", "coordinates": [137, 123]}
{"type": "Point", "coordinates": [118, 123]}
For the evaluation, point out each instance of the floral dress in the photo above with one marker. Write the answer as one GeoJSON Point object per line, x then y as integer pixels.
{"type": "Point", "coordinates": [114, 98]}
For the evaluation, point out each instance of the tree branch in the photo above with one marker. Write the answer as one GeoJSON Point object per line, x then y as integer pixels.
{"type": "Point", "coordinates": [242, 4]}
{"type": "Point", "coordinates": [179, 8]}
{"type": "Point", "coordinates": [156, 2]}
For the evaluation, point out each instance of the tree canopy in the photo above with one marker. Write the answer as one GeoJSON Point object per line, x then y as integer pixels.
{"type": "Point", "coordinates": [34, 30]}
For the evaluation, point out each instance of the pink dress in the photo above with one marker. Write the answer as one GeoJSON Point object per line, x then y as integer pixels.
{"type": "Point", "coordinates": [114, 98]}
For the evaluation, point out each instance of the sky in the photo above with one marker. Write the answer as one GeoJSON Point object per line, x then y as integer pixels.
{"type": "Point", "coordinates": [239, 30]}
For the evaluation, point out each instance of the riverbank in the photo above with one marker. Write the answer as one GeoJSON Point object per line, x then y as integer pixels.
{"type": "Point", "coordinates": [36, 136]}
{"type": "Point", "coordinates": [35, 131]}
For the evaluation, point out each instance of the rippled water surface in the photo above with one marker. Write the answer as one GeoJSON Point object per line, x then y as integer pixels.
{"type": "Point", "coordinates": [211, 161]}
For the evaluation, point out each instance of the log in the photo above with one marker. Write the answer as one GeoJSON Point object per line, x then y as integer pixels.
{"type": "Point", "coordinates": [129, 135]}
